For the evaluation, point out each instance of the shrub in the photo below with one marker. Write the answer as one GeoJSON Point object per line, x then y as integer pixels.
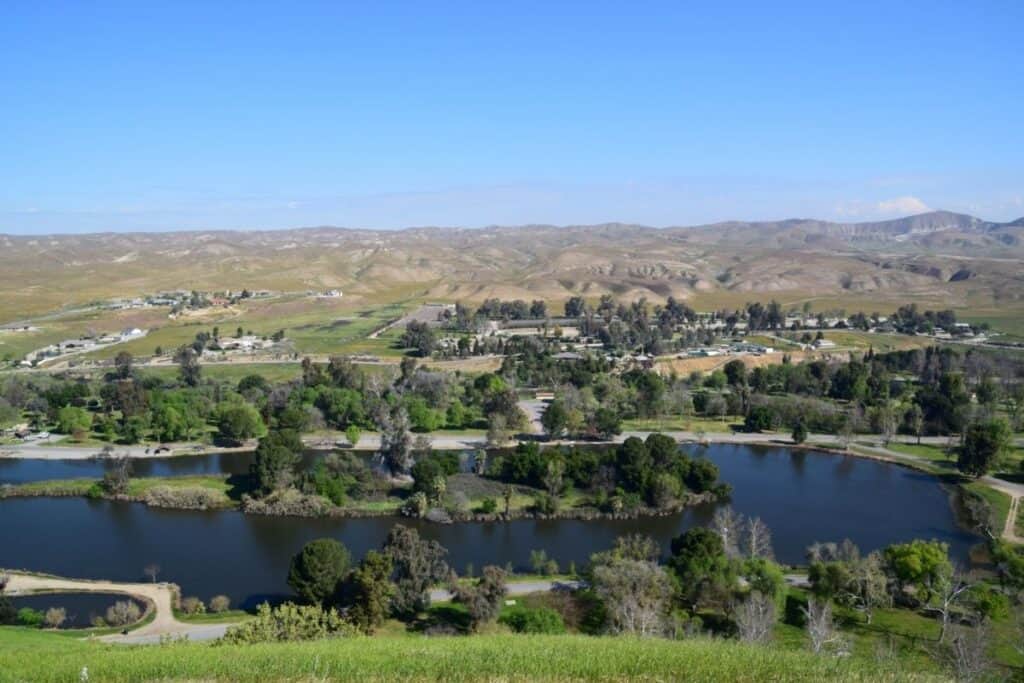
{"type": "Point", "coordinates": [289, 622]}
{"type": "Point", "coordinates": [542, 564]}
{"type": "Point", "coordinates": [415, 505]}
{"type": "Point", "coordinates": [123, 612]}
{"type": "Point", "coordinates": [30, 617]}
{"type": "Point", "coordinates": [220, 603]}
{"type": "Point", "coordinates": [184, 498]}
{"type": "Point", "coordinates": [539, 620]}
{"type": "Point", "coordinates": [488, 506]}
{"type": "Point", "coordinates": [193, 605]}
{"type": "Point", "coordinates": [545, 504]}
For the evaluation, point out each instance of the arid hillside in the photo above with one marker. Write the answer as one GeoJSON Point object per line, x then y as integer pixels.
{"type": "Point", "coordinates": [938, 258]}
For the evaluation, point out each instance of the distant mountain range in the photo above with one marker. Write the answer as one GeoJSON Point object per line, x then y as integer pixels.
{"type": "Point", "coordinates": [939, 258]}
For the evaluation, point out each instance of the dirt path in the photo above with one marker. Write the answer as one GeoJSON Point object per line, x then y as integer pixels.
{"type": "Point", "coordinates": [159, 595]}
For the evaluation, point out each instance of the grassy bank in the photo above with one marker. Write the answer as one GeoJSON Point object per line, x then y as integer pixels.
{"type": "Point", "coordinates": [38, 656]}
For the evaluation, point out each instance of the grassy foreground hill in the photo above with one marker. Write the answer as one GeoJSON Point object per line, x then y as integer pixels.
{"type": "Point", "coordinates": [29, 655]}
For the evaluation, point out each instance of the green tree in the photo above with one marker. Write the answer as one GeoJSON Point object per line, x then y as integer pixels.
{"type": "Point", "coordinates": [353, 434]}
{"type": "Point", "coordinates": [275, 461]}
{"type": "Point", "coordinates": [239, 421]}
{"type": "Point", "coordinates": [984, 445]}
{"type": "Point", "coordinates": [428, 476]}
{"type": "Point", "coordinates": [73, 420]}
{"type": "Point", "coordinates": [188, 365]}
{"type": "Point", "coordinates": [318, 569]}
{"type": "Point", "coordinates": [417, 566]}
{"type": "Point", "coordinates": [799, 432]}
{"type": "Point", "coordinates": [555, 418]}
{"type": "Point", "coordinates": [484, 598]}
{"type": "Point", "coordinates": [919, 564]}
{"type": "Point", "coordinates": [370, 591]}
{"type": "Point", "coordinates": [704, 573]}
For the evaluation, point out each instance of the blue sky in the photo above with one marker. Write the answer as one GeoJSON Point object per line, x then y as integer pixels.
{"type": "Point", "coordinates": [163, 116]}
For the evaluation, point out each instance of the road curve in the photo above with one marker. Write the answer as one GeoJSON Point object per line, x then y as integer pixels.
{"type": "Point", "coordinates": [160, 595]}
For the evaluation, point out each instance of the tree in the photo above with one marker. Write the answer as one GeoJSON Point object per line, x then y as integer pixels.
{"type": "Point", "coordinates": [123, 613]}
{"type": "Point", "coordinates": [984, 444]}
{"type": "Point", "coordinates": [73, 420]}
{"type": "Point", "coordinates": [736, 372]}
{"type": "Point", "coordinates": [915, 420]}
{"type": "Point", "coordinates": [755, 618]}
{"type": "Point", "coordinates": [318, 569]}
{"type": "Point", "coordinates": [188, 365]}
{"type": "Point", "coordinates": [699, 562]}
{"type": "Point", "coordinates": [921, 564]}
{"type": "Point", "coordinates": [950, 589]}
{"type": "Point", "coordinates": [370, 591]}
{"type": "Point", "coordinates": [420, 337]}
{"type": "Point", "coordinates": [555, 418]}
{"type": "Point", "coordinates": [353, 434]}
{"type": "Point", "coordinates": [275, 461]}
{"type": "Point", "coordinates": [123, 365]}
{"type": "Point", "coordinates": [396, 442]}
{"type": "Point", "coordinates": [968, 653]}
{"type": "Point", "coordinates": [636, 595]}
{"type": "Point", "coordinates": [554, 476]}
{"type": "Point", "coordinates": [756, 539]}
{"type": "Point", "coordinates": [220, 603]}
{"type": "Point", "coordinates": [483, 599]}
{"type": "Point", "coordinates": [115, 480]}
{"type": "Point", "coordinates": [239, 421]}
{"type": "Point", "coordinates": [799, 432]}
{"type": "Point", "coordinates": [55, 617]}
{"type": "Point", "coordinates": [728, 524]}
{"type": "Point", "coordinates": [193, 605]}
{"type": "Point", "coordinates": [417, 565]}
{"type": "Point", "coordinates": [821, 627]}
{"type": "Point", "coordinates": [575, 307]}
{"type": "Point", "coordinates": [429, 478]}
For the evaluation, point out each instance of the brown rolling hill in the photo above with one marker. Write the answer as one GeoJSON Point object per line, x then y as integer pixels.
{"type": "Point", "coordinates": [938, 258]}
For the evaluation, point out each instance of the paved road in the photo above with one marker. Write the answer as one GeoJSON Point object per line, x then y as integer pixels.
{"type": "Point", "coordinates": [159, 595]}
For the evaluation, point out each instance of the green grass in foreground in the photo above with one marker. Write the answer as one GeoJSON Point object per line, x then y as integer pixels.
{"type": "Point", "coordinates": [38, 656]}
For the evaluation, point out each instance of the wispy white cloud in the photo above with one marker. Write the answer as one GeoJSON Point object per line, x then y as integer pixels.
{"type": "Point", "coordinates": [897, 206]}
{"type": "Point", "coordinates": [902, 205]}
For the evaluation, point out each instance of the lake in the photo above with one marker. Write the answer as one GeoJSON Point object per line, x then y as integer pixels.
{"type": "Point", "coordinates": [803, 497]}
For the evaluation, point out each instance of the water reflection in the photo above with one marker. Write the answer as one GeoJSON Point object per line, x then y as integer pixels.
{"type": "Point", "coordinates": [803, 497]}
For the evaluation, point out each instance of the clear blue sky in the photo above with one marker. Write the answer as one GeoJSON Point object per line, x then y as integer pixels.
{"type": "Point", "coordinates": [147, 116]}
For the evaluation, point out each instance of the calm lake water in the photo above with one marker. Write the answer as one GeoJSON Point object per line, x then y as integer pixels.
{"type": "Point", "coordinates": [803, 496]}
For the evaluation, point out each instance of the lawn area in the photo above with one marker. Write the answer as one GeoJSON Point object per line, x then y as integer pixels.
{"type": "Point", "coordinates": [681, 424]}
{"type": "Point", "coordinates": [272, 372]}
{"type": "Point", "coordinates": [40, 656]}
{"type": "Point", "coordinates": [999, 501]}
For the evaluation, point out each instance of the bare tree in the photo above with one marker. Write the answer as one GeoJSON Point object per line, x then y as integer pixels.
{"type": "Point", "coordinates": [636, 594]}
{"type": "Point", "coordinates": [755, 618]}
{"type": "Point", "coordinates": [55, 617]}
{"type": "Point", "coordinates": [869, 585]}
{"type": "Point", "coordinates": [152, 571]}
{"type": "Point", "coordinates": [756, 539]}
{"type": "Point", "coordinates": [951, 588]}
{"type": "Point", "coordinates": [123, 612]}
{"type": "Point", "coordinates": [728, 524]}
{"type": "Point", "coordinates": [821, 628]}
{"type": "Point", "coordinates": [968, 652]}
